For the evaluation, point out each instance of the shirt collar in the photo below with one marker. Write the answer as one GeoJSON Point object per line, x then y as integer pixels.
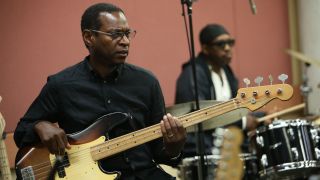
{"type": "Point", "coordinates": [114, 75]}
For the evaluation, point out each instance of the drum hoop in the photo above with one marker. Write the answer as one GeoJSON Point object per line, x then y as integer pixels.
{"type": "Point", "coordinates": [283, 123]}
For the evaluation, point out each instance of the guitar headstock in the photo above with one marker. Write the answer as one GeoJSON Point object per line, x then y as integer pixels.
{"type": "Point", "coordinates": [255, 97]}
{"type": "Point", "coordinates": [227, 146]}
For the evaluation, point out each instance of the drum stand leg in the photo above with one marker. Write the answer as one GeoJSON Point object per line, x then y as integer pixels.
{"type": "Point", "coordinates": [305, 90]}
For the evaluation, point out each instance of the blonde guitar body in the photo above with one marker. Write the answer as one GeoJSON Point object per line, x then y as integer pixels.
{"type": "Point", "coordinates": [83, 167]}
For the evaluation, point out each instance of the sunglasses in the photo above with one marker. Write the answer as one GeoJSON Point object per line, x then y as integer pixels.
{"type": "Point", "coordinates": [223, 43]}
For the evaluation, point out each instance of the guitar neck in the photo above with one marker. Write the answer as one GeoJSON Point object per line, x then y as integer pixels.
{"type": "Point", "coordinates": [142, 136]}
{"type": "Point", "coordinates": [4, 165]}
{"type": "Point", "coordinates": [250, 97]}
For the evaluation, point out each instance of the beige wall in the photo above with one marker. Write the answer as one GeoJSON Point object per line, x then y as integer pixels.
{"type": "Point", "coordinates": [41, 37]}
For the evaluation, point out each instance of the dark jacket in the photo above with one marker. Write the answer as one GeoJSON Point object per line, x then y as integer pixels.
{"type": "Point", "coordinates": [185, 86]}
{"type": "Point", "coordinates": [185, 92]}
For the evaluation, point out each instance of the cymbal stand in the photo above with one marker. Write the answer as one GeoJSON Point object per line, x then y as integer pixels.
{"type": "Point", "coordinates": [305, 89]}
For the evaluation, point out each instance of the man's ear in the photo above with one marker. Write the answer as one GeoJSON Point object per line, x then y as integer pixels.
{"type": "Point", "coordinates": [204, 49]}
{"type": "Point", "coordinates": [88, 38]}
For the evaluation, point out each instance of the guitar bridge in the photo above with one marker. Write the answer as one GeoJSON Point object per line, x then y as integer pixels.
{"type": "Point", "coordinates": [61, 164]}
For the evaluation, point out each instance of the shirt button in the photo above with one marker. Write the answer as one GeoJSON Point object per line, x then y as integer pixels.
{"type": "Point", "coordinates": [127, 160]}
{"type": "Point", "coordinates": [104, 82]}
{"type": "Point", "coordinates": [108, 101]}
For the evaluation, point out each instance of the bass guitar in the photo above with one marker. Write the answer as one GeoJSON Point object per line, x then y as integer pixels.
{"type": "Point", "coordinates": [90, 145]}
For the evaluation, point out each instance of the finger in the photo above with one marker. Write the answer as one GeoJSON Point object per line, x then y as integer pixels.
{"type": "Point", "coordinates": [173, 125]}
{"type": "Point", "coordinates": [167, 127]}
{"type": "Point", "coordinates": [66, 143]}
{"type": "Point", "coordinates": [180, 126]}
{"type": "Point", "coordinates": [164, 131]}
{"type": "Point", "coordinates": [52, 146]}
{"type": "Point", "coordinates": [60, 145]}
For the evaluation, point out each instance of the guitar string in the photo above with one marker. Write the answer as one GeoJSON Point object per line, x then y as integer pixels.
{"type": "Point", "coordinates": [114, 142]}
{"type": "Point", "coordinates": [49, 165]}
{"type": "Point", "coordinates": [142, 137]}
{"type": "Point", "coordinates": [77, 154]}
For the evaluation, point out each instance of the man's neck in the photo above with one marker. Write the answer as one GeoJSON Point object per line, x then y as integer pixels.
{"type": "Point", "coordinates": [103, 69]}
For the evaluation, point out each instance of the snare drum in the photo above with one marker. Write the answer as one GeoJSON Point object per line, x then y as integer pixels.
{"type": "Point", "coordinates": [287, 149]}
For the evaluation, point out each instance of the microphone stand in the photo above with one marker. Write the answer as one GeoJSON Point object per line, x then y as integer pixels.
{"type": "Point", "coordinates": [199, 135]}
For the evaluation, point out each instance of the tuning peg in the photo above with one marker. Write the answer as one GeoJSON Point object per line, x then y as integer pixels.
{"type": "Point", "coordinates": [258, 80]}
{"type": "Point", "coordinates": [270, 79]}
{"type": "Point", "coordinates": [283, 78]}
{"type": "Point", "coordinates": [246, 81]}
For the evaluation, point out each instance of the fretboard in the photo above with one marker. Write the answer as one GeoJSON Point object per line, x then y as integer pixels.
{"type": "Point", "coordinates": [5, 173]}
{"type": "Point", "coordinates": [142, 136]}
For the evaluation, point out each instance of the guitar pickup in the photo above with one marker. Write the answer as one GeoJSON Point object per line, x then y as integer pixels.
{"type": "Point", "coordinates": [61, 164]}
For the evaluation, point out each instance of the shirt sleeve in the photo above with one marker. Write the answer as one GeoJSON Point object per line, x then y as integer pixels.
{"type": "Point", "coordinates": [44, 107]}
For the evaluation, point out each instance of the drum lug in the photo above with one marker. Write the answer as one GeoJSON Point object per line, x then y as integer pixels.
{"type": "Point", "coordinates": [314, 135]}
{"type": "Point", "coordinates": [295, 153]}
{"type": "Point", "coordinates": [260, 141]}
{"type": "Point", "coordinates": [291, 133]}
{"type": "Point", "coordinates": [317, 153]}
{"type": "Point", "coordinates": [264, 161]}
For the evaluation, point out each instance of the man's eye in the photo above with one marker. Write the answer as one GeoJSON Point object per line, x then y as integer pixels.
{"type": "Point", "coordinates": [116, 34]}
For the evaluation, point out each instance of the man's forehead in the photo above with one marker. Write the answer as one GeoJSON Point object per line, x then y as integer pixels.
{"type": "Point", "coordinates": [222, 37]}
{"type": "Point", "coordinates": [114, 20]}
{"type": "Point", "coordinates": [112, 16]}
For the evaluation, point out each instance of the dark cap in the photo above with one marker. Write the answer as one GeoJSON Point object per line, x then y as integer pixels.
{"type": "Point", "coordinates": [210, 32]}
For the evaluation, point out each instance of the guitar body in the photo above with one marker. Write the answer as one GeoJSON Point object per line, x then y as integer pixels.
{"type": "Point", "coordinates": [37, 162]}
{"type": "Point", "coordinates": [81, 167]}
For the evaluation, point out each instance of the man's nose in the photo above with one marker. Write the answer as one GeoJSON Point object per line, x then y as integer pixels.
{"type": "Point", "coordinates": [227, 46]}
{"type": "Point", "coordinates": [124, 40]}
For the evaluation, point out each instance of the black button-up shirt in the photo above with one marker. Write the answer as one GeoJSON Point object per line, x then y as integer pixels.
{"type": "Point", "coordinates": [77, 96]}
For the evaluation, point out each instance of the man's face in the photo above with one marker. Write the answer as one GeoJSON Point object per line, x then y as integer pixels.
{"type": "Point", "coordinates": [220, 49]}
{"type": "Point", "coordinates": [109, 43]}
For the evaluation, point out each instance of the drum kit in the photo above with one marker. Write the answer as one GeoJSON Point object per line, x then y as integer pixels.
{"type": "Point", "coordinates": [283, 149]}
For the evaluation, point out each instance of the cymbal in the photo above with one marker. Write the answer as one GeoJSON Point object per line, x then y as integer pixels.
{"type": "Point", "coordinates": [218, 121]}
{"type": "Point", "coordinates": [303, 57]}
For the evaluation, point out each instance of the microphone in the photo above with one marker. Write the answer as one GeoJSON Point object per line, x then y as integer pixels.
{"type": "Point", "coordinates": [253, 7]}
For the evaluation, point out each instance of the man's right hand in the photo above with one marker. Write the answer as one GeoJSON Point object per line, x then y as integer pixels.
{"type": "Point", "coordinates": [53, 137]}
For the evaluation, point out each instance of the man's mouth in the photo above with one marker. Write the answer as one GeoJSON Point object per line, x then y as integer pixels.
{"type": "Point", "coordinates": [123, 52]}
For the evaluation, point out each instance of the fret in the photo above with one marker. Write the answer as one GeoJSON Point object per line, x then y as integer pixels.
{"type": "Point", "coordinates": [142, 136]}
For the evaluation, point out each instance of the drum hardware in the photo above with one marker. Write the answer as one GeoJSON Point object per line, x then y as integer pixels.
{"type": "Point", "coordinates": [291, 133]}
{"type": "Point", "coordinates": [315, 136]}
{"type": "Point", "coordinates": [259, 140]}
{"type": "Point", "coordinates": [264, 161]}
{"type": "Point", "coordinates": [295, 153]}
{"type": "Point", "coordinates": [317, 153]}
{"type": "Point", "coordinates": [287, 149]}
{"type": "Point", "coordinates": [274, 146]}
